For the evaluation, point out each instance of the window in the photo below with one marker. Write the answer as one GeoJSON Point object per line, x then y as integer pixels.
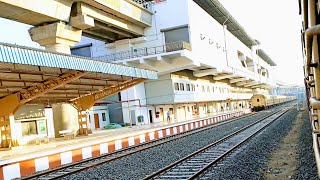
{"type": "Point", "coordinates": [258, 100]}
{"type": "Point", "coordinates": [104, 117]}
{"type": "Point", "coordinates": [212, 89]}
{"type": "Point", "coordinates": [176, 34]}
{"type": "Point", "coordinates": [181, 87]}
{"type": "Point", "coordinates": [188, 87]}
{"type": "Point", "coordinates": [89, 118]}
{"type": "Point", "coordinates": [202, 88]}
{"type": "Point", "coordinates": [208, 88]}
{"type": "Point", "coordinates": [176, 86]}
{"type": "Point", "coordinates": [193, 87]}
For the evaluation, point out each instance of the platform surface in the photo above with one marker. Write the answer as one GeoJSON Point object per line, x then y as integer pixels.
{"type": "Point", "coordinates": [97, 135]}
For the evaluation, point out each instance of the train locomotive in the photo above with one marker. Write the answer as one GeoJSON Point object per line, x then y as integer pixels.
{"type": "Point", "coordinates": [260, 101]}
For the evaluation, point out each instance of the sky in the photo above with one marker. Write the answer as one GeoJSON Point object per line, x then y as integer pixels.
{"type": "Point", "coordinates": [275, 23]}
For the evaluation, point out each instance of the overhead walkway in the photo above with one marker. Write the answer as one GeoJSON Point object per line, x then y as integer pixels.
{"type": "Point", "coordinates": [36, 76]}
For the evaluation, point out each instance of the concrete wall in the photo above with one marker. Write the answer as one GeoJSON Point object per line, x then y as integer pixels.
{"type": "Point", "coordinates": [207, 37]}
{"type": "Point", "coordinates": [136, 105]}
{"type": "Point", "coordinates": [160, 91]}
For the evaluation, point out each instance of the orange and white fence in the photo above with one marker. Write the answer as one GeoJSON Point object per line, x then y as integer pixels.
{"type": "Point", "coordinates": [29, 165]}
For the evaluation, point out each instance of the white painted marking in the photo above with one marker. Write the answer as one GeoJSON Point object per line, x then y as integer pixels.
{"type": "Point", "coordinates": [66, 157]}
{"type": "Point", "coordinates": [104, 148]}
{"type": "Point", "coordinates": [175, 131]}
{"type": "Point", "coordinates": [168, 132]}
{"type": "Point", "coordinates": [142, 138]}
{"type": "Point", "coordinates": [181, 129]}
{"type": "Point", "coordinates": [197, 124]}
{"type": "Point", "coordinates": [86, 152]}
{"type": "Point", "coordinates": [11, 171]}
{"type": "Point", "coordinates": [205, 122]}
{"type": "Point", "coordinates": [160, 134]}
{"type": "Point", "coordinates": [41, 164]}
{"type": "Point", "coordinates": [191, 126]}
{"type": "Point", "coordinates": [186, 127]}
{"type": "Point", "coordinates": [151, 136]}
{"type": "Point", "coordinates": [200, 123]}
{"type": "Point", "coordinates": [131, 141]}
{"type": "Point", "coordinates": [118, 144]}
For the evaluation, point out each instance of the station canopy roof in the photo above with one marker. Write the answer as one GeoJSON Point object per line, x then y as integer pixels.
{"type": "Point", "coordinates": [22, 67]}
{"type": "Point", "coordinates": [219, 13]}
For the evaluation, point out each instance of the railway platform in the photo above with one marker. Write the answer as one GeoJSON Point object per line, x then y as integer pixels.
{"type": "Point", "coordinates": [28, 159]}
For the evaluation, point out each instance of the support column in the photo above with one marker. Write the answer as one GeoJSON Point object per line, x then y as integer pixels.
{"type": "Point", "coordinates": [57, 37]}
{"type": "Point", "coordinates": [8, 135]}
{"type": "Point", "coordinates": [84, 127]}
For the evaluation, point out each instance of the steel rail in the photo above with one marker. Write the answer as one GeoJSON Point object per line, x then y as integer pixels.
{"type": "Point", "coordinates": [188, 174]}
{"type": "Point", "coordinates": [105, 158]}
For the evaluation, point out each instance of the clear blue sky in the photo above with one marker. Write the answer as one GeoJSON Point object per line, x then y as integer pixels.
{"type": "Point", "coordinates": [275, 23]}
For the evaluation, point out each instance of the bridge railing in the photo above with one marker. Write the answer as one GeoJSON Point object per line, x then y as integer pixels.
{"type": "Point", "coordinates": [170, 47]}
{"type": "Point", "coordinates": [148, 4]}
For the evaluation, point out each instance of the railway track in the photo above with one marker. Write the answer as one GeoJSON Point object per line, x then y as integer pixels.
{"type": "Point", "coordinates": [69, 169]}
{"type": "Point", "coordinates": [197, 163]}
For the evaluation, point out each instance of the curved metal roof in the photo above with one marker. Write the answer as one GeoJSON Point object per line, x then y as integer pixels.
{"type": "Point", "coordinates": [10, 53]}
{"type": "Point", "coordinates": [219, 13]}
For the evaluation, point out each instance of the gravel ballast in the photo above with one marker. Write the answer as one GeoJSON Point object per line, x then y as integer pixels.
{"type": "Point", "coordinates": [144, 163]}
{"type": "Point", "coordinates": [250, 161]}
{"type": "Point", "coordinates": [306, 161]}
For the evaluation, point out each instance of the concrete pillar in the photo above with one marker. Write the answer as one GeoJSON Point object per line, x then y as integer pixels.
{"type": "Point", "coordinates": [57, 37]}
{"type": "Point", "coordinates": [50, 125]}
{"type": "Point", "coordinates": [65, 117]}
{"type": "Point", "coordinates": [16, 130]}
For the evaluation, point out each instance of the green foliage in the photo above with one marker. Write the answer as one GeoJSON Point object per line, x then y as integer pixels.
{"type": "Point", "coordinates": [140, 118]}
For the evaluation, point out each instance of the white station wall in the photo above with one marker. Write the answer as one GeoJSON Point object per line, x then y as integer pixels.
{"type": "Point", "coordinates": [207, 37]}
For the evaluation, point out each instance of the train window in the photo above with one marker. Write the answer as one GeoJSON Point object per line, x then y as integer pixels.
{"type": "Point", "coordinates": [176, 86]}
{"type": "Point", "coordinates": [181, 87]}
{"type": "Point", "coordinates": [188, 87]}
{"type": "Point", "coordinates": [258, 100]}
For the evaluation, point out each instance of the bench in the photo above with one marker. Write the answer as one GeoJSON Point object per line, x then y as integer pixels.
{"type": "Point", "coordinates": [43, 139]}
{"type": "Point", "coordinates": [67, 134]}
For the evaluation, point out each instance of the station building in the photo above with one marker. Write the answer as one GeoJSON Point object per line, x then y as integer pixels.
{"type": "Point", "coordinates": [206, 63]}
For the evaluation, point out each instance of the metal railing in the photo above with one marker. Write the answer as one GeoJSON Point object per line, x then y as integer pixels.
{"type": "Point", "coordinates": [170, 47]}
{"type": "Point", "coordinates": [148, 4]}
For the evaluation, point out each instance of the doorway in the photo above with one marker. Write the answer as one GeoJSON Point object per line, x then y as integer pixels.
{"type": "Point", "coordinates": [150, 115]}
{"type": "Point", "coordinates": [96, 121]}
{"type": "Point", "coordinates": [161, 114]}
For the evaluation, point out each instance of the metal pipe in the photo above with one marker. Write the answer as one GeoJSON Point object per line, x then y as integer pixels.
{"type": "Point", "coordinates": [305, 14]}
{"type": "Point", "coordinates": [314, 103]}
{"type": "Point", "coordinates": [316, 150]}
{"type": "Point", "coordinates": [309, 33]}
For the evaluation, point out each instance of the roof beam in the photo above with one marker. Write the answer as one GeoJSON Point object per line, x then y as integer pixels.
{"type": "Point", "coordinates": [238, 80]}
{"type": "Point", "coordinates": [10, 104]}
{"type": "Point", "coordinates": [111, 20]}
{"type": "Point", "coordinates": [114, 30]}
{"type": "Point", "coordinates": [217, 78]}
{"type": "Point", "coordinates": [86, 102]}
{"type": "Point", "coordinates": [243, 83]}
{"type": "Point", "coordinates": [206, 72]}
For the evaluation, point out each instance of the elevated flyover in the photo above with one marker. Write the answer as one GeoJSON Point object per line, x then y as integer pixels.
{"type": "Point", "coordinates": [59, 24]}
{"type": "Point", "coordinates": [37, 76]}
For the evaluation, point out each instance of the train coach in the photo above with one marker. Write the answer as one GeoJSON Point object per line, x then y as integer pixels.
{"type": "Point", "coordinates": [260, 102]}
